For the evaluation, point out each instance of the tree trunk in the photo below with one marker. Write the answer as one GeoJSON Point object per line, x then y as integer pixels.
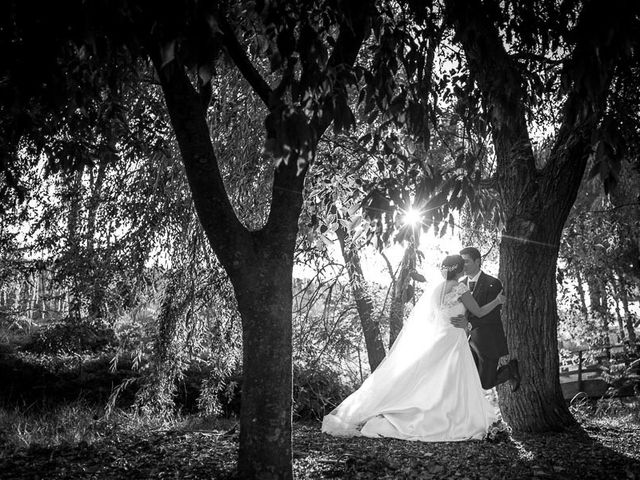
{"type": "Point", "coordinates": [401, 292]}
{"type": "Point", "coordinates": [581, 295]}
{"type": "Point", "coordinates": [624, 296]}
{"type": "Point", "coordinates": [260, 267]}
{"type": "Point", "coordinates": [17, 302]}
{"type": "Point", "coordinates": [364, 303]}
{"type": "Point", "coordinates": [73, 221]}
{"type": "Point", "coordinates": [530, 321]}
{"type": "Point", "coordinates": [616, 300]}
{"type": "Point", "coordinates": [598, 306]}
{"type": "Point", "coordinates": [96, 292]}
{"type": "Point", "coordinates": [44, 307]}
{"type": "Point", "coordinates": [621, 333]}
{"type": "Point", "coordinates": [259, 264]}
{"type": "Point", "coordinates": [33, 301]}
{"type": "Point", "coordinates": [265, 306]}
{"type": "Point", "coordinates": [536, 201]}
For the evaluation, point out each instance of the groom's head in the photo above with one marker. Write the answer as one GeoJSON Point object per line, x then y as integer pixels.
{"type": "Point", "coordinates": [472, 261]}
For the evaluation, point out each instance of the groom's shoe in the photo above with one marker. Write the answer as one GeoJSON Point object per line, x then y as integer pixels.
{"type": "Point", "coordinates": [515, 376]}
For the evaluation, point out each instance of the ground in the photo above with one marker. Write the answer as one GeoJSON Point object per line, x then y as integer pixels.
{"type": "Point", "coordinates": [601, 449]}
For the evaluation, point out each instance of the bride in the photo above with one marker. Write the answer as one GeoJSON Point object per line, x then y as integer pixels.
{"type": "Point", "coordinates": [427, 388]}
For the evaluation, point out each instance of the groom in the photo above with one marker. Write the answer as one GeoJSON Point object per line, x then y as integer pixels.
{"type": "Point", "coordinates": [487, 339]}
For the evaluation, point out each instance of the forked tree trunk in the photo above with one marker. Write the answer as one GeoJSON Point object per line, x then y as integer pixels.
{"type": "Point", "coordinates": [260, 267]}
{"type": "Point", "coordinates": [259, 264]}
{"type": "Point", "coordinates": [364, 303]}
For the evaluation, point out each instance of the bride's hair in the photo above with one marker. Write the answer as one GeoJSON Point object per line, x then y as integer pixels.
{"type": "Point", "coordinates": [453, 265]}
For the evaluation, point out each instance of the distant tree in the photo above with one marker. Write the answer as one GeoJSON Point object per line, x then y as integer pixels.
{"type": "Point", "coordinates": [600, 252]}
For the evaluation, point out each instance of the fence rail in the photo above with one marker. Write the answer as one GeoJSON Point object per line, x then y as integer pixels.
{"type": "Point", "coordinates": [631, 351]}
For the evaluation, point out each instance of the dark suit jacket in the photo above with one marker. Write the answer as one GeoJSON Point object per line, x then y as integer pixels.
{"type": "Point", "coordinates": [487, 336]}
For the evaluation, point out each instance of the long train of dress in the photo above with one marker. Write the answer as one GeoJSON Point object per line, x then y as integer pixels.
{"type": "Point", "coordinates": [427, 389]}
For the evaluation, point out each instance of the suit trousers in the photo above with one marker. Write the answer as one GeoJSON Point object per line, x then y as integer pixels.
{"type": "Point", "coordinates": [490, 374]}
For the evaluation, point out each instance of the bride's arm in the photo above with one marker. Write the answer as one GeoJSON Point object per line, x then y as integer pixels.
{"type": "Point", "coordinates": [480, 311]}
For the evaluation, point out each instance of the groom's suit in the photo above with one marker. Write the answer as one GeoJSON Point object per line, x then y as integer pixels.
{"type": "Point", "coordinates": [487, 339]}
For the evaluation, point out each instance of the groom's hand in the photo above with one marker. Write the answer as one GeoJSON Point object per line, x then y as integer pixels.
{"type": "Point", "coordinates": [459, 322]}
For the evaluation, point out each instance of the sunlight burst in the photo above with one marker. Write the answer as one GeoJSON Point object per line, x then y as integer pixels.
{"type": "Point", "coordinates": [412, 217]}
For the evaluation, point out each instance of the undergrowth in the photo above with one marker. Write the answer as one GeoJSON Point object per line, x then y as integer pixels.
{"type": "Point", "coordinates": [79, 422]}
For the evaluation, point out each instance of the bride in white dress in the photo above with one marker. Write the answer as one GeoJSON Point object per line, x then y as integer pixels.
{"type": "Point", "coordinates": [427, 388]}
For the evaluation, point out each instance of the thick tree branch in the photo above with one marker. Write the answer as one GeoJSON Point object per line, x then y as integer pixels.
{"type": "Point", "coordinates": [188, 116]}
{"type": "Point", "coordinates": [499, 81]}
{"type": "Point", "coordinates": [353, 31]}
{"type": "Point", "coordinates": [289, 178]}
{"type": "Point", "coordinates": [603, 33]}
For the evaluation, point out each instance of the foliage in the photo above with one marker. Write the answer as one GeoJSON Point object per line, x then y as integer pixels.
{"type": "Point", "coordinates": [313, 90]}
{"type": "Point", "coordinates": [73, 423]}
{"type": "Point", "coordinates": [327, 332]}
{"type": "Point", "coordinates": [194, 333]}
{"type": "Point", "coordinates": [599, 270]}
{"type": "Point", "coordinates": [316, 391]}
{"type": "Point", "coordinates": [71, 337]}
{"type": "Point", "coordinates": [623, 375]}
{"type": "Point", "coordinates": [97, 219]}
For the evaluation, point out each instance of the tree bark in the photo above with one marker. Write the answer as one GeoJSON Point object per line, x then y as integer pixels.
{"type": "Point", "coordinates": [400, 290]}
{"type": "Point", "coordinates": [265, 304]}
{"type": "Point", "coordinates": [364, 303]}
{"type": "Point", "coordinates": [615, 294]}
{"type": "Point", "coordinates": [598, 306]}
{"type": "Point", "coordinates": [530, 320]}
{"type": "Point", "coordinates": [260, 266]}
{"type": "Point", "coordinates": [624, 297]}
{"type": "Point", "coordinates": [581, 295]}
{"type": "Point", "coordinates": [96, 291]}
{"type": "Point", "coordinates": [260, 263]}
{"type": "Point", "coordinates": [536, 201]}
{"type": "Point", "coordinates": [73, 248]}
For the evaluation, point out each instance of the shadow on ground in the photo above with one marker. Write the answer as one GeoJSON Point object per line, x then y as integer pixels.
{"type": "Point", "coordinates": [593, 453]}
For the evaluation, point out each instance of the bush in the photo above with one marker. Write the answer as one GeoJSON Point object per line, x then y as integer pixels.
{"type": "Point", "coordinates": [14, 330]}
{"type": "Point", "coordinates": [624, 381]}
{"type": "Point", "coordinates": [72, 336]}
{"type": "Point", "coordinates": [316, 391]}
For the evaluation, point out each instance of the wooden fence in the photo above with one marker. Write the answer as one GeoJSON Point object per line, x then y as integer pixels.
{"type": "Point", "coordinates": [588, 378]}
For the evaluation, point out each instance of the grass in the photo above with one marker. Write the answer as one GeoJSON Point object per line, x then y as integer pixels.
{"type": "Point", "coordinates": [79, 422]}
{"type": "Point", "coordinates": [71, 438]}
{"type": "Point", "coordinates": [70, 443]}
{"type": "Point", "coordinates": [608, 410]}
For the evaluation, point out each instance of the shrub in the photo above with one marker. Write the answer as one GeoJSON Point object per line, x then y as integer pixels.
{"type": "Point", "coordinates": [624, 380]}
{"type": "Point", "coordinates": [71, 336]}
{"type": "Point", "coordinates": [316, 391]}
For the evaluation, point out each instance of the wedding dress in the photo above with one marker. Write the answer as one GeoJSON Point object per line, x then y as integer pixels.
{"type": "Point", "coordinates": [427, 388]}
